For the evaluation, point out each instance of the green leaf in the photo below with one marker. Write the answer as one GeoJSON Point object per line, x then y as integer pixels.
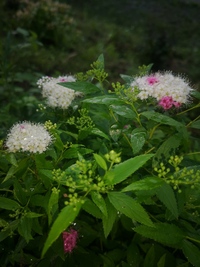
{"type": "Point", "coordinates": [133, 255]}
{"type": "Point", "coordinates": [100, 161]}
{"type": "Point", "coordinates": [41, 162]}
{"type": "Point", "coordinates": [53, 204]}
{"type": "Point", "coordinates": [8, 204]}
{"type": "Point", "coordinates": [163, 119]}
{"type": "Point", "coordinates": [83, 87]}
{"type": "Point", "coordinates": [58, 142]}
{"type": "Point", "coordinates": [123, 170]}
{"type": "Point", "coordinates": [64, 219]}
{"type": "Point", "coordinates": [138, 139]}
{"type": "Point", "coordinates": [127, 78]}
{"type": "Point", "coordinates": [166, 195]}
{"type": "Point", "coordinates": [195, 124]}
{"type": "Point", "coordinates": [108, 221]}
{"type": "Point", "coordinates": [168, 234]}
{"type": "Point", "coordinates": [92, 208]}
{"type": "Point", "coordinates": [12, 159]}
{"type": "Point", "coordinates": [195, 94]}
{"type": "Point", "coordinates": [129, 207]}
{"type": "Point", "coordinates": [191, 252]}
{"type": "Point", "coordinates": [165, 149]}
{"type": "Point", "coordinates": [162, 261]}
{"type": "Point", "coordinates": [19, 193]}
{"type": "Point", "coordinates": [100, 59]}
{"type": "Point", "coordinates": [24, 228]}
{"type": "Point", "coordinates": [148, 183]}
{"type": "Point", "coordinates": [98, 132]}
{"type": "Point", "coordinates": [104, 100]}
{"type": "Point", "coordinates": [9, 230]}
{"type": "Point", "coordinates": [22, 166]}
{"type": "Point", "coordinates": [31, 214]}
{"type": "Point", "coordinates": [73, 152]}
{"type": "Point", "coordinates": [123, 111]}
{"type": "Point", "coordinates": [99, 201]}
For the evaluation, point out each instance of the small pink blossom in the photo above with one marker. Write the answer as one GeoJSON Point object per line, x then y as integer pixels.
{"type": "Point", "coordinates": [69, 240]}
{"type": "Point", "coordinates": [166, 102]}
{"type": "Point", "coordinates": [152, 80]}
{"type": "Point", "coordinates": [176, 104]}
{"type": "Point", "coordinates": [63, 80]}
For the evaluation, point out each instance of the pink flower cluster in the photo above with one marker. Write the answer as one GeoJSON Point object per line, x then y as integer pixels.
{"type": "Point", "coordinates": [152, 80]}
{"type": "Point", "coordinates": [167, 102]}
{"type": "Point", "coordinates": [69, 240]}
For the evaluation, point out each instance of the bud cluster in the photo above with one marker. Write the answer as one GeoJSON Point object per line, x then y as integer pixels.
{"type": "Point", "coordinates": [41, 107]}
{"type": "Point", "coordinates": [177, 176]}
{"type": "Point", "coordinates": [83, 122]}
{"type": "Point", "coordinates": [113, 157]}
{"type": "Point", "coordinates": [97, 72]}
{"type": "Point", "coordinates": [81, 178]}
{"type": "Point", "coordinates": [48, 125]}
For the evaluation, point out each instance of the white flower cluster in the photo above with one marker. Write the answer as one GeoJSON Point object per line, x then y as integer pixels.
{"type": "Point", "coordinates": [57, 95]}
{"type": "Point", "coordinates": [160, 85]}
{"type": "Point", "coordinates": [27, 136]}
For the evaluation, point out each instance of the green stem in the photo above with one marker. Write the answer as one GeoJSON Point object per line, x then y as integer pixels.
{"type": "Point", "coordinates": [192, 239]}
{"type": "Point", "coordinates": [192, 121]}
{"type": "Point", "coordinates": [198, 105]}
{"type": "Point", "coordinates": [153, 130]}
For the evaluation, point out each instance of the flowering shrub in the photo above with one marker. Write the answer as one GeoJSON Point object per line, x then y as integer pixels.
{"type": "Point", "coordinates": [111, 177]}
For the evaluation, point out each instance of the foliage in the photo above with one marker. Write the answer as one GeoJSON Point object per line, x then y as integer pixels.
{"type": "Point", "coordinates": [122, 172]}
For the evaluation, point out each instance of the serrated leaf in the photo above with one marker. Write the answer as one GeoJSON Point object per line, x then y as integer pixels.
{"type": "Point", "coordinates": [166, 195]}
{"type": "Point", "coordinates": [148, 183]}
{"type": "Point", "coordinates": [100, 161]}
{"type": "Point", "coordinates": [191, 252]}
{"type": "Point", "coordinates": [127, 78]}
{"type": "Point", "coordinates": [162, 260]}
{"type": "Point", "coordinates": [24, 228]}
{"type": "Point", "coordinates": [53, 204]}
{"type": "Point", "coordinates": [195, 94]}
{"type": "Point", "coordinates": [10, 229]}
{"type": "Point", "coordinates": [163, 119]}
{"type": "Point", "coordinates": [168, 234]}
{"type": "Point", "coordinates": [99, 201]}
{"type": "Point", "coordinates": [108, 221]}
{"type": "Point", "coordinates": [8, 204]}
{"type": "Point", "coordinates": [64, 219]}
{"type": "Point", "coordinates": [100, 60]}
{"type": "Point", "coordinates": [83, 87]}
{"type": "Point", "coordinates": [19, 193]}
{"type": "Point", "coordinates": [73, 152]}
{"type": "Point", "coordinates": [129, 207]}
{"type": "Point", "coordinates": [92, 208]}
{"type": "Point", "coordinates": [123, 170]}
{"type": "Point", "coordinates": [138, 139]}
{"type": "Point", "coordinates": [31, 214]}
{"type": "Point", "coordinates": [164, 150]}
{"type": "Point", "coordinates": [23, 164]}
{"type": "Point", "coordinates": [123, 111]}
{"type": "Point", "coordinates": [98, 132]}
{"type": "Point", "coordinates": [104, 100]}
{"type": "Point", "coordinates": [12, 159]}
{"type": "Point", "coordinates": [41, 162]}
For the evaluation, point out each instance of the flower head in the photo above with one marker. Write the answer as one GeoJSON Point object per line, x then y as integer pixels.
{"type": "Point", "coordinates": [167, 89]}
{"type": "Point", "coordinates": [27, 136]}
{"type": "Point", "coordinates": [69, 240]}
{"type": "Point", "coordinates": [57, 95]}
